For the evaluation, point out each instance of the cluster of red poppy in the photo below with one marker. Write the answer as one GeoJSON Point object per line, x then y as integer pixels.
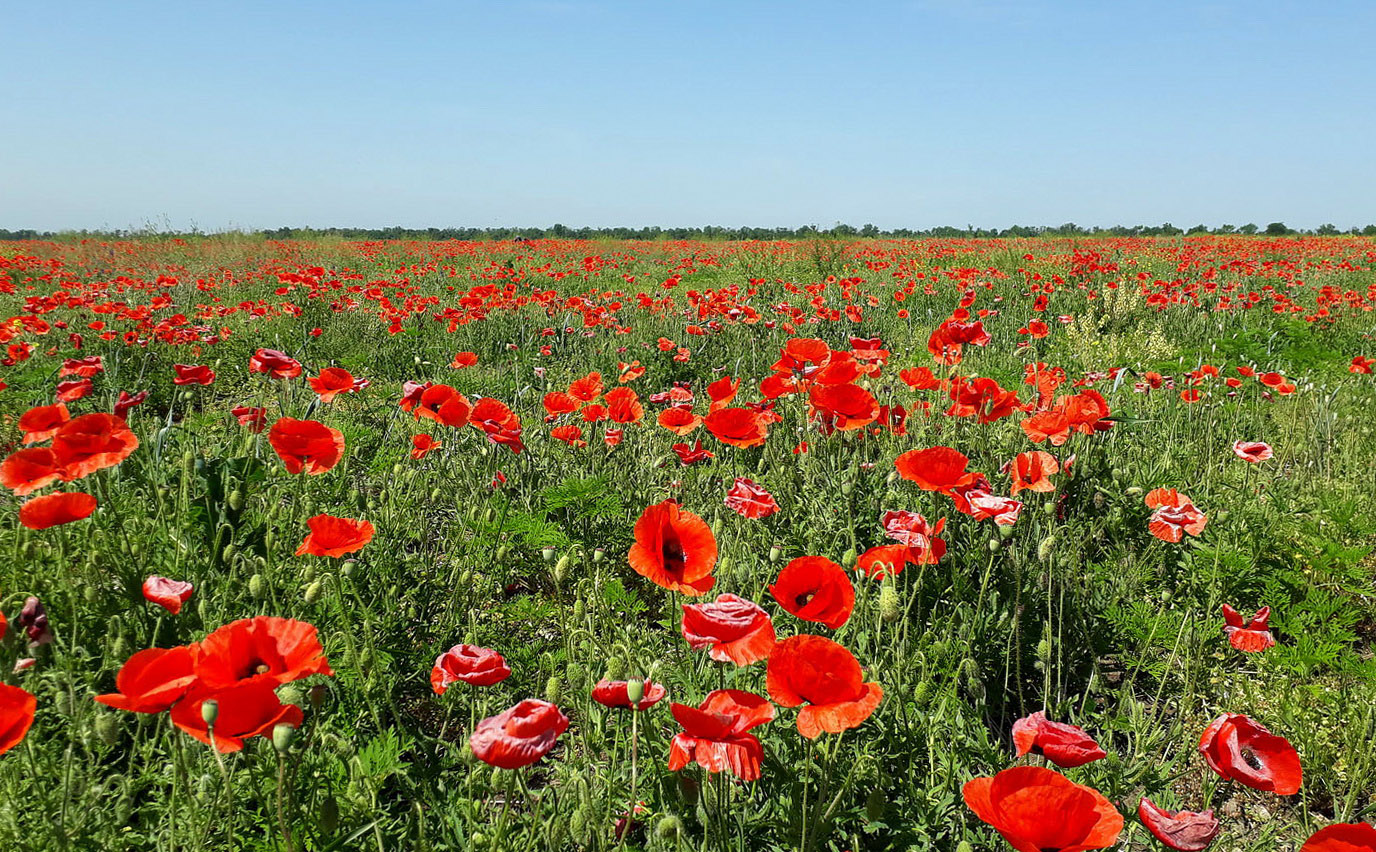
{"type": "Point", "coordinates": [80, 446]}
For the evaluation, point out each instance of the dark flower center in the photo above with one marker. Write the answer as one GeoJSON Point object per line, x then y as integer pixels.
{"type": "Point", "coordinates": [671, 551]}
{"type": "Point", "coordinates": [1252, 760]}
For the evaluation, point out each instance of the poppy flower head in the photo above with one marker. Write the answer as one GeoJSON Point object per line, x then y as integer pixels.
{"type": "Point", "coordinates": [616, 693]}
{"type": "Point", "coordinates": [1342, 837]}
{"type": "Point", "coordinates": [256, 419]}
{"type": "Point", "coordinates": [306, 445]}
{"type": "Point", "coordinates": [27, 470]}
{"type": "Point", "coordinates": [1174, 515]}
{"type": "Point", "coordinates": [1252, 451]}
{"type": "Point", "coordinates": [1184, 831]}
{"type": "Point", "coordinates": [468, 663]}
{"type": "Point", "coordinates": [735, 629]}
{"type": "Point", "coordinates": [278, 365]}
{"type": "Point", "coordinates": [334, 381]}
{"type": "Point", "coordinates": [624, 406]}
{"type": "Point", "coordinates": [814, 588]}
{"type": "Point", "coordinates": [844, 407]}
{"type": "Point", "coordinates": [168, 594]}
{"type": "Point", "coordinates": [246, 710]}
{"type": "Point", "coordinates": [187, 374]}
{"type": "Point", "coordinates": [1067, 746]}
{"type": "Point", "coordinates": [722, 392]}
{"type": "Point", "coordinates": [331, 536]}
{"type": "Point", "coordinates": [519, 736]}
{"type": "Point", "coordinates": [749, 500]}
{"type": "Point", "coordinates": [1038, 810]}
{"type": "Point", "coordinates": [151, 681]}
{"type": "Point", "coordinates": [674, 549]}
{"type": "Point", "coordinates": [259, 650]}
{"type": "Point", "coordinates": [52, 510]}
{"type": "Point", "coordinates": [92, 442]}
{"type": "Point", "coordinates": [1252, 636]}
{"type": "Point", "coordinates": [463, 360]}
{"type": "Point", "coordinates": [1031, 471]}
{"type": "Point", "coordinates": [422, 445]}
{"type": "Point", "coordinates": [1240, 749]}
{"type": "Point", "coordinates": [716, 734]}
{"type": "Point", "coordinates": [824, 675]}
{"type": "Point", "coordinates": [939, 469]}
{"type": "Point", "coordinates": [739, 427]}
{"type": "Point", "coordinates": [884, 560]}
{"type": "Point", "coordinates": [17, 708]}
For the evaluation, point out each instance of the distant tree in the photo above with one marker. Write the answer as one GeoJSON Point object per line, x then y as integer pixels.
{"type": "Point", "coordinates": [1327, 230]}
{"type": "Point", "coordinates": [1226, 229]}
{"type": "Point", "coordinates": [1198, 229]}
{"type": "Point", "coordinates": [1369, 231]}
{"type": "Point", "coordinates": [1277, 229]}
{"type": "Point", "coordinates": [869, 230]}
{"type": "Point", "coordinates": [1248, 228]}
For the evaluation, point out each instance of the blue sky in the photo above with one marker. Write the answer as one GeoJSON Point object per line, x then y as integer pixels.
{"type": "Point", "coordinates": [531, 112]}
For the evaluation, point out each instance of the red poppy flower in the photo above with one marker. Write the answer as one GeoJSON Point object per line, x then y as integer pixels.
{"type": "Point", "coordinates": [1038, 810]}
{"type": "Point", "coordinates": [127, 402]}
{"type": "Point", "coordinates": [1362, 365]}
{"type": "Point", "coordinates": [814, 588]}
{"type": "Point", "coordinates": [411, 392]}
{"type": "Point", "coordinates": [587, 388]}
{"type": "Point", "coordinates": [1175, 515]}
{"type": "Point", "coordinates": [331, 536]}
{"type": "Point", "coordinates": [614, 693]}
{"type": "Point", "coordinates": [1253, 636]}
{"type": "Point", "coordinates": [152, 681]}
{"type": "Point", "coordinates": [558, 403]}
{"type": "Point", "coordinates": [306, 445]}
{"type": "Point", "coordinates": [1184, 831]}
{"type": "Point", "coordinates": [624, 406]}
{"type": "Point", "coordinates": [254, 418]}
{"type": "Point", "coordinates": [912, 530]}
{"type": "Point", "coordinates": [948, 340]}
{"type": "Point", "coordinates": [816, 671]}
{"type": "Point", "coordinates": [629, 372]}
{"type": "Point", "coordinates": [739, 427]}
{"type": "Point", "coordinates": [722, 391]}
{"type": "Point", "coordinates": [1086, 412]}
{"type": "Point", "coordinates": [1045, 425]}
{"type": "Point", "coordinates": [71, 391]}
{"type": "Point", "coordinates": [277, 364]}
{"type": "Point", "coordinates": [1342, 837]}
{"type": "Point", "coordinates": [979, 503]}
{"type": "Point", "coordinates": [735, 629]}
{"type": "Point", "coordinates": [920, 378]}
{"type": "Point", "coordinates": [612, 437]}
{"type": "Point", "coordinates": [880, 562]}
{"type": "Point", "coordinates": [519, 736]}
{"type": "Point", "coordinates": [464, 359]}
{"type": "Point", "coordinates": [687, 456]}
{"type": "Point", "coordinates": [27, 470]}
{"type": "Point", "coordinates": [1252, 451]}
{"type": "Point", "coordinates": [83, 367]}
{"type": "Point", "coordinates": [52, 510]}
{"type": "Point", "coordinates": [1067, 746]}
{"type": "Point", "coordinates": [333, 381]}
{"type": "Point", "coordinates": [17, 707]}
{"type": "Point", "coordinates": [1031, 470]}
{"type": "Point", "coordinates": [935, 469]}
{"type": "Point", "coordinates": [470, 664]}
{"type": "Point", "coordinates": [443, 404]}
{"type": "Point", "coordinates": [1241, 750]}
{"type": "Point", "coordinates": [192, 375]}
{"type": "Point", "coordinates": [423, 445]}
{"type": "Point", "coordinates": [844, 407]}
{"type": "Point", "coordinates": [750, 500]}
{"type": "Point", "coordinates": [674, 549]}
{"type": "Point", "coordinates": [569, 434]}
{"type": "Point", "coordinates": [259, 650]}
{"type": "Point", "coordinates": [716, 734]}
{"type": "Point", "coordinates": [246, 710]}
{"type": "Point", "coordinates": [680, 421]}
{"type": "Point", "coordinates": [168, 594]}
{"type": "Point", "coordinates": [92, 442]}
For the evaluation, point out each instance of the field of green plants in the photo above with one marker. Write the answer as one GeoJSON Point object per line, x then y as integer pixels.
{"type": "Point", "coordinates": [950, 544]}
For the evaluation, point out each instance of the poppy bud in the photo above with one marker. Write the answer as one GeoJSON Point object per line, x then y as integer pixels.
{"type": "Point", "coordinates": [91, 594]}
{"type": "Point", "coordinates": [847, 487]}
{"type": "Point", "coordinates": [994, 545]}
{"type": "Point", "coordinates": [434, 495]}
{"type": "Point", "coordinates": [257, 589]}
{"type": "Point", "coordinates": [598, 554]}
{"type": "Point", "coordinates": [561, 569]}
{"type": "Point", "coordinates": [282, 736]}
{"type": "Point", "coordinates": [1118, 475]}
{"type": "Point", "coordinates": [107, 728]}
{"type": "Point", "coordinates": [188, 463]}
{"type": "Point", "coordinates": [635, 690]}
{"type": "Point", "coordinates": [1049, 508]}
{"type": "Point", "coordinates": [1044, 549]}
{"type": "Point", "coordinates": [308, 573]}
{"type": "Point", "coordinates": [119, 649]}
{"type": "Point", "coordinates": [329, 815]}
{"type": "Point", "coordinates": [616, 667]}
{"type": "Point", "coordinates": [313, 592]}
{"type": "Point", "coordinates": [270, 540]}
{"type": "Point", "coordinates": [290, 694]}
{"type": "Point", "coordinates": [502, 552]}
{"type": "Point", "coordinates": [1221, 516]}
{"type": "Point", "coordinates": [1005, 532]}
{"type": "Point", "coordinates": [874, 804]}
{"type": "Point", "coordinates": [202, 608]}
{"type": "Point", "coordinates": [775, 551]}
{"type": "Point", "coordinates": [1044, 650]}
{"type": "Point", "coordinates": [236, 500]}
{"type": "Point", "coordinates": [554, 689]}
{"type": "Point", "coordinates": [716, 528]}
{"type": "Point", "coordinates": [848, 558]}
{"type": "Point", "coordinates": [210, 711]}
{"type": "Point", "coordinates": [228, 554]}
{"type": "Point", "coordinates": [922, 693]}
{"type": "Point", "coordinates": [964, 847]}
{"type": "Point", "coordinates": [577, 675]}
{"type": "Point", "coordinates": [397, 469]}
{"type": "Point", "coordinates": [579, 611]}
{"type": "Point", "coordinates": [889, 610]}
{"type": "Point", "coordinates": [669, 828]}
{"type": "Point", "coordinates": [347, 569]}
{"type": "Point", "coordinates": [1134, 491]}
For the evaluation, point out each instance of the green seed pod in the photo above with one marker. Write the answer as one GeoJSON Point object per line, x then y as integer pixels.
{"type": "Point", "coordinates": [257, 589]}
{"type": "Point", "coordinates": [874, 804]}
{"type": "Point", "coordinates": [313, 591]}
{"type": "Point", "coordinates": [1005, 532]}
{"type": "Point", "coordinates": [1049, 508]}
{"type": "Point", "coordinates": [236, 500]}
{"type": "Point", "coordinates": [108, 728]}
{"type": "Point", "coordinates": [554, 689]}
{"type": "Point", "coordinates": [598, 554]}
{"type": "Point", "coordinates": [775, 551]}
{"type": "Point", "coordinates": [635, 690]}
{"type": "Point", "coordinates": [669, 828]}
{"type": "Point", "coordinates": [317, 696]}
{"type": "Point", "coordinates": [889, 608]}
{"type": "Point", "coordinates": [210, 711]}
{"type": "Point", "coordinates": [616, 668]}
{"type": "Point", "coordinates": [847, 487]}
{"type": "Point", "coordinates": [329, 815]}
{"type": "Point", "coordinates": [994, 545]}
{"type": "Point", "coordinates": [282, 737]}
{"type": "Point", "coordinates": [849, 558]}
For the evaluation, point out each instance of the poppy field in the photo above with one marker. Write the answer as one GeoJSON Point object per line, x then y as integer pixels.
{"type": "Point", "coordinates": [1046, 545]}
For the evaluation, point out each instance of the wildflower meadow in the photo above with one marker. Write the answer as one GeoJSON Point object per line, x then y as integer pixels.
{"type": "Point", "coordinates": [825, 544]}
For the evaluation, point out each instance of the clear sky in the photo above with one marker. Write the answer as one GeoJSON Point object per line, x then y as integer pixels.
{"type": "Point", "coordinates": [530, 112]}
